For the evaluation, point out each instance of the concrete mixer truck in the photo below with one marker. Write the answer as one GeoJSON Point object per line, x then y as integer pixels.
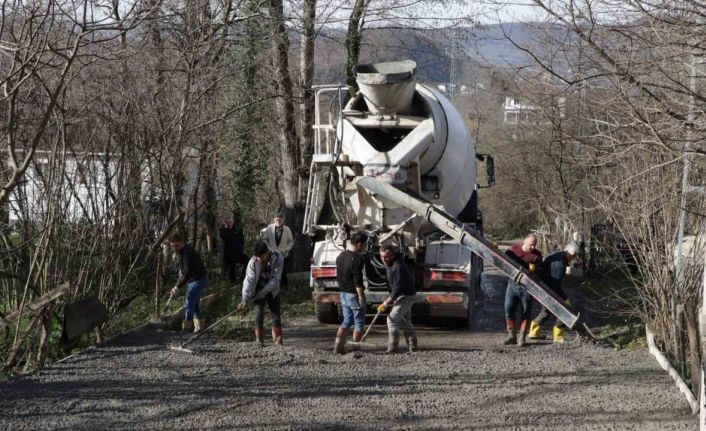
{"type": "Point", "coordinates": [396, 161]}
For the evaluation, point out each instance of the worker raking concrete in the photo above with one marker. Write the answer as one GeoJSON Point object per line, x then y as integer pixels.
{"type": "Point", "coordinates": [349, 274]}
{"type": "Point", "coordinates": [192, 273]}
{"type": "Point", "coordinates": [527, 255]}
{"type": "Point", "coordinates": [260, 287]}
{"type": "Point", "coordinates": [552, 274]}
{"type": "Point", "coordinates": [402, 297]}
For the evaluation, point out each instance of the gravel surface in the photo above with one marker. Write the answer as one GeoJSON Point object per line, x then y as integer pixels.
{"type": "Point", "coordinates": [459, 380]}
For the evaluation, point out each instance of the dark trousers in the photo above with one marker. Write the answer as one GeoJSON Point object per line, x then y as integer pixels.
{"type": "Point", "coordinates": [283, 281]}
{"type": "Point", "coordinates": [274, 303]}
{"type": "Point", "coordinates": [230, 260]}
{"type": "Point", "coordinates": [516, 295]}
{"type": "Point", "coordinates": [544, 314]}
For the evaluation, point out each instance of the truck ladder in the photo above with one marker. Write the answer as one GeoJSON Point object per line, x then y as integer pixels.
{"type": "Point", "coordinates": [476, 243]}
{"type": "Point", "coordinates": [323, 157]}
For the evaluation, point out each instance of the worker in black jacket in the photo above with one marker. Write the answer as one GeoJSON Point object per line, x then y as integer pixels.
{"type": "Point", "coordinates": [349, 274]}
{"type": "Point", "coordinates": [192, 273]}
{"type": "Point", "coordinates": [552, 274]}
{"type": "Point", "coordinates": [231, 234]}
{"type": "Point", "coordinates": [402, 298]}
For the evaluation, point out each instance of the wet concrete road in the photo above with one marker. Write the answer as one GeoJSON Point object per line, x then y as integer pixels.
{"type": "Point", "coordinates": [459, 380]}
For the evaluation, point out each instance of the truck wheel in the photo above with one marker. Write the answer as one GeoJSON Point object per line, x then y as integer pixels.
{"type": "Point", "coordinates": [326, 312]}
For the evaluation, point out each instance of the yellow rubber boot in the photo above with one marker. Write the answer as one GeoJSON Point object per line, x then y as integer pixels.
{"type": "Point", "coordinates": [534, 331]}
{"type": "Point", "coordinates": [558, 335]}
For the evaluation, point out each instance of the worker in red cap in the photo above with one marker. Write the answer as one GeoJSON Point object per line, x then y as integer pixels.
{"type": "Point", "coordinates": [527, 255]}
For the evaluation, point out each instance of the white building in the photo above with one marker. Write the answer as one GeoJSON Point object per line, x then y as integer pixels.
{"type": "Point", "coordinates": [518, 110]}
{"type": "Point", "coordinates": [82, 189]}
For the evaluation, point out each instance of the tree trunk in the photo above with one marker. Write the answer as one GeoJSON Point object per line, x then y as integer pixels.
{"type": "Point", "coordinates": [353, 38]}
{"type": "Point", "coordinates": [158, 283]}
{"type": "Point", "coordinates": [45, 332]}
{"type": "Point", "coordinates": [306, 77]}
{"type": "Point", "coordinates": [210, 201]}
{"type": "Point", "coordinates": [692, 332]}
{"type": "Point", "coordinates": [289, 147]}
{"type": "Point", "coordinates": [243, 172]}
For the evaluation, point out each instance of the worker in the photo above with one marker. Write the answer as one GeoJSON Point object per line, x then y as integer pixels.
{"type": "Point", "coordinates": [552, 274]}
{"type": "Point", "coordinates": [192, 273]}
{"type": "Point", "coordinates": [262, 286]}
{"type": "Point", "coordinates": [349, 274]}
{"type": "Point", "coordinates": [278, 237]}
{"type": "Point", "coordinates": [401, 298]}
{"type": "Point", "coordinates": [231, 234]}
{"type": "Point", "coordinates": [527, 255]}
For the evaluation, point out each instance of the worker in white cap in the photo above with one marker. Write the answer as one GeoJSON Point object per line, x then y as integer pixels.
{"type": "Point", "coordinates": [552, 273]}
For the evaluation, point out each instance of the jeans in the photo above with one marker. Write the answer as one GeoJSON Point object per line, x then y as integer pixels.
{"type": "Point", "coordinates": [517, 295]}
{"type": "Point", "coordinates": [274, 303]}
{"type": "Point", "coordinates": [400, 317]}
{"type": "Point", "coordinates": [193, 294]}
{"type": "Point", "coordinates": [353, 311]}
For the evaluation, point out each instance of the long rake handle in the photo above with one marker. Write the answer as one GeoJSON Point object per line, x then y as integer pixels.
{"type": "Point", "coordinates": [197, 335]}
{"type": "Point", "coordinates": [370, 327]}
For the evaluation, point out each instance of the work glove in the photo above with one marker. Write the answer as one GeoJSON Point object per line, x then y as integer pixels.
{"type": "Point", "coordinates": [381, 307]}
{"type": "Point", "coordinates": [532, 267]}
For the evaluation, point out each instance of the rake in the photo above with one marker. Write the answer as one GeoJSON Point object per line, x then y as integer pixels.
{"type": "Point", "coordinates": [182, 347]}
{"type": "Point", "coordinates": [362, 345]}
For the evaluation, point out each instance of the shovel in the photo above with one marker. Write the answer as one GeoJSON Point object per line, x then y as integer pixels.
{"type": "Point", "coordinates": [160, 316]}
{"type": "Point", "coordinates": [362, 345]}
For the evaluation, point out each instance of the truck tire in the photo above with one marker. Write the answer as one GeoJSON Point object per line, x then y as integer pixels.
{"type": "Point", "coordinates": [327, 312]}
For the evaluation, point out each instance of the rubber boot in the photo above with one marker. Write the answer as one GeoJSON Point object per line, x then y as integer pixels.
{"type": "Point", "coordinates": [393, 342]}
{"type": "Point", "coordinates": [558, 335]}
{"type": "Point", "coordinates": [411, 343]}
{"type": "Point", "coordinates": [339, 346]}
{"type": "Point", "coordinates": [198, 325]}
{"type": "Point", "coordinates": [188, 325]}
{"type": "Point", "coordinates": [277, 335]}
{"type": "Point", "coordinates": [522, 336]}
{"type": "Point", "coordinates": [259, 340]}
{"type": "Point", "coordinates": [534, 333]}
{"type": "Point", "coordinates": [511, 333]}
{"type": "Point", "coordinates": [357, 336]}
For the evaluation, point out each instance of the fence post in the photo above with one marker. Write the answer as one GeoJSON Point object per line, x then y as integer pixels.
{"type": "Point", "coordinates": [702, 339]}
